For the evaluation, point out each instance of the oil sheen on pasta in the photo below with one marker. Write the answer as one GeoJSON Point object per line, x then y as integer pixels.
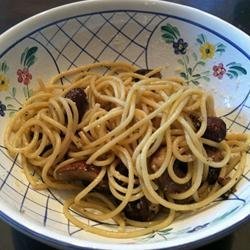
{"type": "Point", "coordinates": [135, 149]}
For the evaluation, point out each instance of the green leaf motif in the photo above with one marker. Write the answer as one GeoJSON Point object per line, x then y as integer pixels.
{"type": "Point", "coordinates": [187, 59]}
{"type": "Point", "coordinates": [205, 72]}
{"type": "Point", "coordinates": [31, 60]}
{"type": "Point", "coordinates": [30, 92]}
{"type": "Point", "coordinates": [169, 29]}
{"type": "Point", "coordinates": [196, 75]}
{"type": "Point", "coordinates": [201, 38]}
{"type": "Point", "coordinates": [233, 73]}
{"type": "Point", "coordinates": [183, 74]}
{"type": "Point", "coordinates": [201, 63]}
{"type": "Point", "coordinates": [25, 92]}
{"type": "Point", "coordinates": [220, 50]}
{"type": "Point", "coordinates": [13, 91]}
{"type": "Point", "coordinates": [195, 82]}
{"type": "Point", "coordinates": [189, 70]}
{"type": "Point", "coordinates": [8, 98]}
{"type": "Point", "coordinates": [207, 79]}
{"type": "Point", "coordinates": [10, 105]}
{"type": "Point", "coordinates": [233, 63]}
{"type": "Point", "coordinates": [170, 33]}
{"type": "Point", "coordinates": [180, 61]}
{"type": "Point", "coordinates": [28, 58]}
{"type": "Point", "coordinates": [195, 56]}
{"type": "Point", "coordinates": [230, 75]}
{"type": "Point", "coordinates": [220, 45]}
{"type": "Point", "coordinates": [4, 67]}
{"type": "Point", "coordinates": [239, 69]}
{"type": "Point", "coordinates": [176, 31]}
{"type": "Point", "coordinates": [234, 70]}
{"type": "Point", "coordinates": [23, 55]}
{"type": "Point", "coordinates": [168, 38]}
{"type": "Point", "coordinates": [204, 38]}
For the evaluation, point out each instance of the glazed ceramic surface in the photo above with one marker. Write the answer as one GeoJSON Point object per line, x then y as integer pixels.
{"type": "Point", "coordinates": [202, 49]}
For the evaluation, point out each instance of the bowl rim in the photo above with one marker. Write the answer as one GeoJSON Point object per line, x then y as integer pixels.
{"type": "Point", "coordinates": [32, 22]}
{"type": "Point", "coordinates": [54, 243]}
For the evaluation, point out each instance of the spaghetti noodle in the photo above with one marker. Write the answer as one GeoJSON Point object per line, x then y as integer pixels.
{"type": "Point", "coordinates": [134, 149]}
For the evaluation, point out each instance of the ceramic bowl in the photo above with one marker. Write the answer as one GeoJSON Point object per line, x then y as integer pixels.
{"type": "Point", "coordinates": [201, 48]}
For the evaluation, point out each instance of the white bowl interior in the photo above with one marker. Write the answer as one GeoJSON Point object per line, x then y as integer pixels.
{"type": "Point", "coordinates": [84, 33]}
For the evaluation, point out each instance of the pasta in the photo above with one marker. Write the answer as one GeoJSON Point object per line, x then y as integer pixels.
{"type": "Point", "coordinates": [135, 149]}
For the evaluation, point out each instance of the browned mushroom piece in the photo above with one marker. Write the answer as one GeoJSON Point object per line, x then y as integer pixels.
{"type": "Point", "coordinates": [46, 149]}
{"type": "Point", "coordinates": [224, 180]}
{"type": "Point", "coordinates": [122, 169]}
{"type": "Point", "coordinates": [156, 121]}
{"type": "Point", "coordinates": [80, 171]}
{"type": "Point", "coordinates": [213, 174]}
{"type": "Point", "coordinates": [216, 155]}
{"type": "Point", "coordinates": [195, 120]}
{"type": "Point", "coordinates": [146, 71]}
{"type": "Point", "coordinates": [78, 96]}
{"type": "Point", "coordinates": [166, 184]}
{"type": "Point", "coordinates": [141, 210]}
{"type": "Point", "coordinates": [216, 128]}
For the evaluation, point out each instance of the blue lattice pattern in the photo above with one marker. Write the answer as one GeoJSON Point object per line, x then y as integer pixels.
{"type": "Point", "coordinates": [72, 43]}
{"type": "Point", "coordinates": [109, 40]}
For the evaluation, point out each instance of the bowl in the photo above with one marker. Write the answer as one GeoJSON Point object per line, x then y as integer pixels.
{"type": "Point", "coordinates": [202, 49]}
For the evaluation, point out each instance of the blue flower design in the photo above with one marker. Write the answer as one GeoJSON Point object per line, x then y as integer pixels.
{"type": "Point", "coordinates": [180, 47]}
{"type": "Point", "coordinates": [2, 109]}
{"type": "Point", "coordinates": [171, 34]}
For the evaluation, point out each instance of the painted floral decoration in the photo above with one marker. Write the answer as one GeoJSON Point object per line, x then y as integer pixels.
{"type": "Point", "coordinates": [24, 76]}
{"type": "Point", "coordinates": [193, 64]}
{"type": "Point", "coordinates": [2, 109]}
{"type": "Point", "coordinates": [207, 49]}
{"type": "Point", "coordinates": [219, 70]}
{"type": "Point", "coordinates": [28, 58]}
{"type": "Point", "coordinates": [234, 70]}
{"type": "Point", "coordinates": [172, 35]}
{"type": "Point", "coordinates": [192, 69]}
{"type": "Point", "coordinates": [180, 46]}
{"type": "Point", "coordinates": [4, 80]}
{"type": "Point", "coordinates": [12, 102]}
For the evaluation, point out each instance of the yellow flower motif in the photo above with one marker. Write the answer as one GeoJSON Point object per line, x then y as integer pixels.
{"type": "Point", "coordinates": [4, 82]}
{"type": "Point", "coordinates": [207, 51]}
